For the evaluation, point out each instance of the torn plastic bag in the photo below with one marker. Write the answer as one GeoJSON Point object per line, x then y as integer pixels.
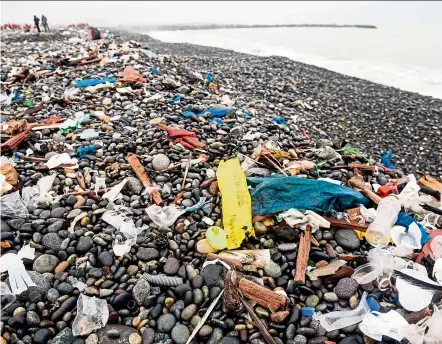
{"type": "Point", "coordinates": [115, 192]}
{"type": "Point", "coordinates": [19, 280]}
{"type": "Point", "coordinates": [129, 74]}
{"type": "Point", "coordinates": [236, 203]}
{"type": "Point", "coordinates": [405, 220]}
{"type": "Point", "coordinates": [385, 160]}
{"type": "Point", "coordinates": [6, 296]}
{"type": "Point", "coordinates": [294, 217]}
{"type": "Point", "coordinates": [164, 217]}
{"type": "Point", "coordinates": [92, 314]}
{"type": "Point", "coordinates": [375, 325]}
{"type": "Point", "coordinates": [13, 206]}
{"type": "Point", "coordinates": [410, 237]}
{"type": "Point", "coordinates": [100, 183]}
{"type": "Point", "coordinates": [93, 82]}
{"type": "Point", "coordinates": [60, 159]}
{"type": "Point", "coordinates": [174, 100]}
{"type": "Point", "coordinates": [125, 238]}
{"type": "Point", "coordinates": [340, 319]}
{"type": "Point", "coordinates": [89, 134]}
{"type": "Point", "coordinates": [274, 194]}
{"type": "Point", "coordinates": [213, 112]}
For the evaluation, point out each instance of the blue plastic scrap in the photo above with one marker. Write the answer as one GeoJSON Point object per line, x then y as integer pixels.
{"type": "Point", "coordinates": [274, 194]}
{"type": "Point", "coordinates": [218, 113]}
{"type": "Point", "coordinates": [174, 100]}
{"type": "Point", "coordinates": [405, 220]}
{"type": "Point", "coordinates": [93, 82]}
{"type": "Point", "coordinates": [307, 311]}
{"type": "Point", "coordinates": [209, 78]}
{"type": "Point", "coordinates": [155, 70]}
{"type": "Point", "coordinates": [279, 120]}
{"type": "Point", "coordinates": [198, 205]}
{"type": "Point", "coordinates": [217, 121]}
{"type": "Point", "coordinates": [88, 150]}
{"type": "Point", "coordinates": [385, 160]}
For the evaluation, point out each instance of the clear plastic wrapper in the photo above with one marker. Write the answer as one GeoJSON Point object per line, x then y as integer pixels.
{"type": "Point", "coordinates": [164, 217]}
{"type": "Point", "coordinates": [92, 314]}
{"type": "Point", "coordinates": [340, 319]}
{"type": "Point", "coordinates": [13, 206]}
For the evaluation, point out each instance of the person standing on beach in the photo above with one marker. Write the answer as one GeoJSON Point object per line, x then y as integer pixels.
{"type": "Point", "coordinates": [44, 22]}
{"type": "Point", "coordinates": [37, 23]}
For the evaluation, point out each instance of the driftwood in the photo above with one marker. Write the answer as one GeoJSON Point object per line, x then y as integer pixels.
{"type": "Point", "coordinates": [303, 255]}
{"type": "Point", "coordinates": [334, 222]}
{"type": "Point", "coordinates": [143, 177]}
{"type": "Point", "coordinates": [262, 296]}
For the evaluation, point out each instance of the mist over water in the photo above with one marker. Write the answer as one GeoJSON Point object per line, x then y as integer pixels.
{"type": "Point", "coordinates": [406, 58]}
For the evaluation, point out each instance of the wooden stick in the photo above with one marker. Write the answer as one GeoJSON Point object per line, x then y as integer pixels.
{"type": "Point", "coordinates": [303, 254]}
{"type": "Point", "coordinates": [268, 338]}
{"type": "Point", "coordinates": [143, 176]}
{"type": "Point", "coordinates": [262, 296]}
{"type": "Point", "coordinates": [187, 171]}
{"type": "Point", "coordinates": [334, 222]}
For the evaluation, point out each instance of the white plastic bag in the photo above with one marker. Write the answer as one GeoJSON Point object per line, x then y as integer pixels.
{"type": "Point", "coordinates": [59, 159]}
{"type": "Point", "coordinates": [340, 319]}
{"type": "Point", "coordinates": [164, 217]}
{"type": "Point", "coordinates": [19, 279]}
{"type": "Point", "coordinates": [376, 324]}
{"type": "Point", "coordinates": [92, 314]}
{"type": "Point", "coordinates": [114, 193]}
{"type": "Point", "coordinates": [12, 205]}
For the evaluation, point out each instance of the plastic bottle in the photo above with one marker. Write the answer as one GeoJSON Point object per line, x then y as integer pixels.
{"type": "Point", "coordinates": [378, 233]}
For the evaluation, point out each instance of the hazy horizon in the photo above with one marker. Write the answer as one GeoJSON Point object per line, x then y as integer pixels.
{"type": "Point", "coordinates": [127, 13]}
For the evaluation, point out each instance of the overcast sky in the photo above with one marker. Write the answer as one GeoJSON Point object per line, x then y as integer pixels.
{"type": "Point", "coordinates": [112, 13]}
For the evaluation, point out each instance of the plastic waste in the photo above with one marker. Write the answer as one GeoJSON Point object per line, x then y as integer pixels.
{"type": "Point", "coordinates": [13, 206]}
{"type": "Point", "coordinates": [155, 70]}
{"type": "Point", "coordinates": [92, 314]}
{"type": "Point", "coordinates": [406, 221]}
{"type": "Point", "coordinates": [410, 237]}
{"type": "Point", "coordinates": [131, 75]}
{"type": "Point", "coordinates": [340, 319]}
{"type": "Point", "coordinates": [225, 100]}
{"type": "Point", "coordinates": [164, 217]}
{"type": "Point", "coordinates": [88, 150]}
{"type": "Point", "coordinates": [217, 237]}
{"type": "Point", "coordinates": [174, 100]}
{"type": "Point", "coordinates": [274, 194]}
{"type": "Point", "coordinates": [59, 159]}
{"type": "Point", "coordinates": [385, 160]}
{"type": "Point", "coordinates": [213, 112]}
{"type": "Point", "coordinates": [115, 192]}
{"type": "Point", "coordinates": [236, 203]}
{"type": "Point", "coordinates": [279, 120]}
{"type": "Point", "coordinates": [96, 88]}
{"type": "Point", "coordinates": [19, 279]}
{"type": "Point", "coordinates": [378, 233]}
{"type": "Point", "coordinates": [414, 298]}
{"type": "Point", "coordinates": [198, 205]}
{"type": "Point", "coordinates": [100, 183]}
{"type": "Point", "coordinates": [4, 185]}
{"type": "Point", "coordinates": [375, 325]}
{"type": "Point", "coordinates": [436, 247]}
{"type": "Point", "coordinates": [295, 217]}
{"type": "Point", "coordinates": [89, 134]}
{"type": "Point", "coordinates": [92, 82]}
{"type": "Point", "coordinates": [7, 298]}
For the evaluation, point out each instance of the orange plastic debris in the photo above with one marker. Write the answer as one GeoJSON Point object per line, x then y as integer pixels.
{"type": "Point", "coordinates": [131, 75]}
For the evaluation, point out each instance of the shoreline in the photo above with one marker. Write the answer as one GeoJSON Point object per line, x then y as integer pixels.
{"type": "Point", "coordinates": [405, 111]}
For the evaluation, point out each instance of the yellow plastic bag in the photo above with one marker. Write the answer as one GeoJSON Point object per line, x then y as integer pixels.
{"type": "Point", "coordinates": [236, 202]}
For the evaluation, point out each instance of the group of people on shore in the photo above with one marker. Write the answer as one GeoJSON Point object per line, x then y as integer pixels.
{"type": "Point", "coordinates": [44, 22]}
{"type": "Point", "coordinates": [27, 27]}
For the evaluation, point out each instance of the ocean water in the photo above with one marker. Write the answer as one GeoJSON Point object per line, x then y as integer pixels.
{"type": "Point", "coordinates": [406, 58]}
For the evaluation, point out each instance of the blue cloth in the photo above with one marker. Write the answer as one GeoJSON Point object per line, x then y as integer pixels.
{"type": "Point", "coordinates": [218, 113]}
{"type": "Point", "coordinates": [93, 82]}
{"type": "Point", "coordinates": [385, 160]}
{"type": "Point", "coordinates": [279, 120]}
{"type": "Point", "coordinates": [405, 220]}
{"type": "Point", "coordinates": [174, 100]}
{"type": "Point", "coordinates": [155, 70]}
{"type": "Point", "coordinates": [83, 151]}
{"type": "Point", "coordinates": [277, 193]}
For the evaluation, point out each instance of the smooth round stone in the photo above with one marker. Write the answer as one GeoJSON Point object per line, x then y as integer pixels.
{"type": "Point", "coordinates": [135, 338]}
{"type": "Point", "coordinates": [300, 339]}
{"type": "Point", "coordinates": [346, 287]}
{"type": "Point", "coordinates": [331, 297]}
{"type": "Point", "coordinates": [84, 244]}
{"type": "Point", "coordinates": [42, 336]}
{"type": "Point", "coordinates": [52, 241]}
{"type": "Point", "coordinates": [189, 312]}
{"type": "Point", "coordinates": [211, 274]}
{"type": "Point", "coordinates": [260, 228]}
{"type": "Point", "coordinates": [347, 238]}
{"type": "Point", "coordinates": [106, 258]}
{"type": "Point", "coordinates": [172, 266]}
{"type": "Point", "coordinates": [229, 340]}
{"type": "Point", "coordinates": [45, 263]}
{"type": "Point", "coordinates": [180, 334]}
{"type": "Point", "coordinates": [205, 331]}
{"type": "Point", "coordinates": [272, 269]}
{"type": "Point", "coordinates": [160, 162]}
{"type": "Point", "coordinates": [312, 301]}
{"type": "Point", "coordinates": [166, 322]}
